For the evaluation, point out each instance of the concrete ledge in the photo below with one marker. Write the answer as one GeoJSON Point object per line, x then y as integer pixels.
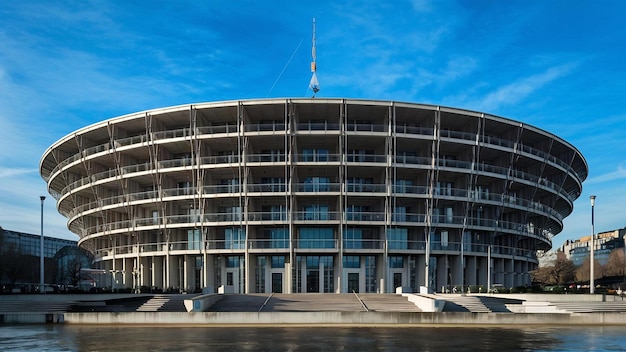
{"type": "Point", "coordinates": [426, 304]}
{"type": "Point", "coordinates": [202, 303]}
{"type": "Point", "coordinates": [343, 319]}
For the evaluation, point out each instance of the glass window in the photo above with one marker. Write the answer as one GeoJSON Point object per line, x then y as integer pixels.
{"type": "Point", "coordinates": [351, 261]}
{"type": "Point", "coordinates": [234, 238]}
{"type": "Point", "coordinates": [449, 215]}
{"type": "Point", "coordinates": [230, 213]}
{"type": "Point", "coordinates": [272, 155]}
{"type": "Point", "coordinates": [316, 212]}
{"type": "Point", "coordinates": [312, 262]}
{"type": "Point", "coordinates": [444, 239]}
{"type": "Point", "coordinates": [193, 239]}
{"type": "Point", "coordinates": [279, 237]}
{"type": "Point", "coordinates": [231, 185]}
{"type": "Point", "coordinates": [317, 184]}
{"type": "Point", "coordinates": [316, 238]}
{"type": "Point", "coordinates": [233, 261]}
{"type": "Point", "coordinates": [273, 184]}
{"type": "Point", "coordinates": [399, 214]}
{"type": "Point", "coordinates": [278, 212]}
{"type": "Point", "coordinates": [396, 262]}
{"type": "Point", "coordinates": [402, 186]}
{"type": "Point", "coordinates": [278, 261]}
{"type": "Point", "coordinates": [315, 155]}
{"type": "Point", "coordinates": [397, 238]}
{"type": "Point", "coordinates": [353, 238]}
{"type": "Point", "coordinates": [370, 274]}
{"type": "Point", "coordinates": [357, 213]}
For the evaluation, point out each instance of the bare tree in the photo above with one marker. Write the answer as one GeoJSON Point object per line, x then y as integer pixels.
{"type": "Point", "coordinates": [616, 266]}
{"type": "Point", "coordinates": [72, 271]}
{"type": "Point", "coordinates": [582, 273]}
{"type": "Point", "coordinates": [560, 271]}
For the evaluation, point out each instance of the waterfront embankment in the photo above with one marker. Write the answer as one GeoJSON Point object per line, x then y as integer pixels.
{"type": "Point", "coordinates": [328, 311]}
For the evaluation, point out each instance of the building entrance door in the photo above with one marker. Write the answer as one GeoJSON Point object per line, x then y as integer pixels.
{"type": "Point", "coordinates": [277, 282]}
{"type": "Point", "coordinates": [312, 280]}
{"type": "Point", "coordinates": [353, 282]}
{"type": "Point", "coordinates": [397, 280]}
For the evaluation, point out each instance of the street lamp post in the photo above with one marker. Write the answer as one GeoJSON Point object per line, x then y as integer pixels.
{"type": "Point", "coordinates": [41, 268]}
{"type": "Point", "coordinates": [591, 264]}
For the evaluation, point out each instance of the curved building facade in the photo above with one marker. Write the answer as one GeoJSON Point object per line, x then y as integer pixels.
{"type": "Point", "coordinates": [313, 195]}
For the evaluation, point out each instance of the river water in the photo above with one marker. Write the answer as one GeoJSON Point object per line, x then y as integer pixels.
{"type": "Point", "coordinates": [106, 338]}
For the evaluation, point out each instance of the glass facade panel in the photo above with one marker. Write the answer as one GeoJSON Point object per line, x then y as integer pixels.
{"type": "Point", "coordinates": [193, 239]}
{"type": "Point", "coordinates": [233, 261]}
{"type": "Point", "coordinates": [317, 184]}
{"type": "Point", "coordinates": [370, 274]}
{"type": "Point", "coordinates": [260, 274]}
{"type": "Point", "coordinates": [352, 239]}
{"type": "Point", "coordinates": [234, 238]}
{"type": "Point", "coordinates": [279, 238]}
{"type": "Point", "coordinates": [358, 213]}
{"type": "Point", "coordinates": [316, 212]}
{"type": "Point", "coordinates": [396, 262]}
{"type": "Point", "coordinates": [397, 238]}
{"type": "Point", "coordinates": [316, 238]}
{"type": "Point", "coordinates": [399, 214]}
{"type": "Point", "coordinates": [356, 184]}
{"type": "Point", "coordinates": [278, 261]}
{"type": "Point", "coordinates": [273, 184]}
{"type": "Point", "coordinates": [402, 186]}
{"type": "Point", "coordinates": [315, 155]}
{"type": "Point", "coordinates": [351, 261]}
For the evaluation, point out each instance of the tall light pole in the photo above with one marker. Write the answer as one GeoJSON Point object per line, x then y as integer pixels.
{"type": "Point", "coordinates": [591, 271]}
{"type": "Point", "coordinates": [41, 281]}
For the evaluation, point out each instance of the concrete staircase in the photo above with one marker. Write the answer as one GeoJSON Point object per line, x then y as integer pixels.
{"type": "Point", "coordinates": [164, 303]}
{"type": "Point", "coordinates": [313, 302]}
{"type": "Point", "coordinates": [460, 303]}
{"type": "Point", "coordinates": [7, 306]}
{"type": "Point", "coordinates": [388, 303]}
{"type": "Point", "coordinates": [590, 307]}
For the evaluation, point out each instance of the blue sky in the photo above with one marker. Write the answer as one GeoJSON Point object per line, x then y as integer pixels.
{"type": "Point", "coordinates": [557, 65]}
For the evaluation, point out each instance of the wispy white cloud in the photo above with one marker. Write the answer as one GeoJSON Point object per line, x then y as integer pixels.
{"type": "Point", "coordinates": [618, 174]}
{"type": "Point", "coordinates": [519, 90]}
{"type": "Point", "coordinates": [8, 172]}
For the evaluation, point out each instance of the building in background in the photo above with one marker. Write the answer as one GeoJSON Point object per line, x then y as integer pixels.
{"type": "Point", "coordinates": [605, 242]}
{"type": "Point", "coordinates": [313, 195]}
{"type": "Point", "coordinates": [20, 259]}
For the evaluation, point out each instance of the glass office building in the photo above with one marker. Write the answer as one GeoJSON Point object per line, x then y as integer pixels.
{"type": "Point", "coordinates": [314, 195]}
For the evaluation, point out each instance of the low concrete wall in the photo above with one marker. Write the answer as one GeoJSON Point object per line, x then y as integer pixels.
{"type": "Point", "coordinates": [202, 303]}
{"type": "Point", "coordinates": [426, 304]}
{"type": "Point", "coordinates": [546, 297]}
{"type": "Point", "coordinates": [343, 318]}
{"type": "Point", "coordinates": [31, 318]}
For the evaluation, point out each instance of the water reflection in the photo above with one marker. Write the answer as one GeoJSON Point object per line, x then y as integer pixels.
{"type": "Point", "coordinates": [98, 338]}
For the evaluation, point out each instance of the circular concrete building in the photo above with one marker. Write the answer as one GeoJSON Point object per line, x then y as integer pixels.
{"type": "Point", "coordinates": [313, 195]}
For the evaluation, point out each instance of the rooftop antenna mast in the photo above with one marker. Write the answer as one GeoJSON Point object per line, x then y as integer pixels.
{"type": "Point", "coordinates": [314, 84]}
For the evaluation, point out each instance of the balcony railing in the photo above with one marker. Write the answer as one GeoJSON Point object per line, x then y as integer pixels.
{"type": "Point", "coordinates": [317, 126]}
{"type": "Point", "coordinates": [317, 187]}
{"type": "Point", "coordinates": [268, 244]}
{"type": "Point", "coordinates": [316, 243]}
{"type": "Point", "coordinates": [283, 244]}
{"type": "Point", "coordinates": [363, 244]}
{"type": "Point", "coordinates": [313, 126]}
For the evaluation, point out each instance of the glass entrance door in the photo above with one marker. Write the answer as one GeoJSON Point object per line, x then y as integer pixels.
{"type": "Point", "coordinates": [277, 282]}
{"type": "Point", "coordinates": [312, 280]}
{"type": "Point", "coordinates": [353, 282]}
{"type": "Point", "coordinates": [397, 280]}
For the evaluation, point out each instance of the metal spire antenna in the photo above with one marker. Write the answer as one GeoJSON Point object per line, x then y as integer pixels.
{"type": "Point", "coordinates": [314, 84]}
